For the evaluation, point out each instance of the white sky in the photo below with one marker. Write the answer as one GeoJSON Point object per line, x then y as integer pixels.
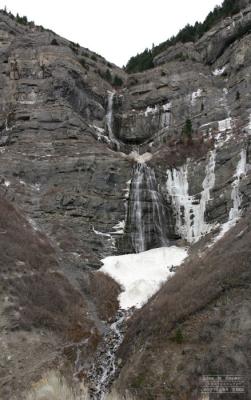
{"type": "Point", "coordinates": [115, 29]}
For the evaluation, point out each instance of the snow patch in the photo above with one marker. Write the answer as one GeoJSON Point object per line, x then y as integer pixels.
{"type": "Point", "coordinates": [127, 190]}
{"type": "Point", "coordinates": [249, 124]}
{"type": "Point", "coordinates": [119, 228]}
{"type": "Point", "coordinates": [195, 96]}
{"type": "Point", "coordinates": [151, 110]}
{"type": "Point", "coordinates": [141, 275]}
{"type": "Point", "coordinates": [101, 233]}
{"type": "Point", "coordinates": [6, 183]}
{"type": "Point", "coordinates": [225, 124]}
{"type": "Point", "coordinates": [140, 158]}
{"type": "Point", "coordinates": [162, 110]}
{"type": "Point", "coordinates": [219, 71]}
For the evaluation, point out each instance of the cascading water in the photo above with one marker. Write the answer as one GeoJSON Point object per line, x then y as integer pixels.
{"type": "Point", "coordinates": [146, 212]}
{"type": "Point", "coordinates": [109, 120]}
{"type": "Point", "coordinates": [104, 367]}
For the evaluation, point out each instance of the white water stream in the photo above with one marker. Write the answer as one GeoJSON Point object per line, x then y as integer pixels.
{"type": "Point", "coordinates": [104, 366]}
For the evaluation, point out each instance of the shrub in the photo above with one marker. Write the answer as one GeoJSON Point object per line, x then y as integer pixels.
{"type": "Point", "coordinates": [105, 75]}
{"type": "Point", "coordinates": [104, 292]}
{"type": "Point", "coordinates": [21, 20]}
{"type": "Point", "coordinates": [54, 42]}
{"type": "Point", "coordinates": [181, 57]}
{"type": "Point", "coordinates": [117, 81]}
{"type": "Point", "coordinates": [187, 129]}
{"type": "Point", "coordinates": [178, 336]}
{"type": "Point", "coordinates": [74, 46]}
{"type": "Point", "coordinates": [83, 63]}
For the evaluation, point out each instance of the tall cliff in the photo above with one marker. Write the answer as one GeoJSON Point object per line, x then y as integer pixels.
{"type": "Point", "coordinates": [77, 136]}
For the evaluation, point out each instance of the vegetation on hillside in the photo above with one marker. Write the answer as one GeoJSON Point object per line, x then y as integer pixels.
{"type": "Point", "coordinates": [190, 33]}
{"type": "Point", "coordinates": [20, 20]}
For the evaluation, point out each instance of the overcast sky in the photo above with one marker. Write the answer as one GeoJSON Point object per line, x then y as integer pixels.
{"type": "Point", "coordinates": [116, 29]}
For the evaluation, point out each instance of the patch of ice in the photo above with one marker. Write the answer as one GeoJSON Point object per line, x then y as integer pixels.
{"type": "Point", "coordinates": [190, 212]}
{"type": "Point", "coordinates": [161, 110]}
{"type": "Point", "coordinates": [119, 227]}
{"type": "Point", "coordinates": [151, 110]}
{"type": "Point", "coordinates": [37, 187]}
{"type": "Point", "coordinates": [219, 71]}
{"type": "Point", "coordinates": [101, 233]}
{"type": "Point", "coordinates": [167, 106]}
{"type": "Point", "coordinates": [141, 275]}
{"type": "Point", "coordinates": [195, 96]}
{"type": "Point", "coordinates": [225, 124]}
{"type": "Point", "coordinates": [221, 138]}
{"type": "Point", "coordinates": [127, 190]}
{"type": "Point", "coordinates": [101, 130]}
{"type": "Point", "coordinates": [235, 212]}
{"type": "Point", "coordinates": [249, 124]}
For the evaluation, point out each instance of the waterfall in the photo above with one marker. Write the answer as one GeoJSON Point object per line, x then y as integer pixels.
{"type": "Point", "coordinates": [109, 120]}
{"type": "Point", "coordinates": [146, 213]}
{"type": "Point", "coordinates": [138, 236]}
{"type": "Point", "coordinates": [104, 366]}
{"type": "Point", "coordinates": [190, 211]}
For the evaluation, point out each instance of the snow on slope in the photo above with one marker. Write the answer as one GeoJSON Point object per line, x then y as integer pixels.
{"type": "Point", "coordinates": [141, 274]}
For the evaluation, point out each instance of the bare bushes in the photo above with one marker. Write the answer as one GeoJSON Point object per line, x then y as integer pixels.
{"type": "Point", "coordinates": [53, 386]}
{"type": "Point", "coordinates": [115, 396]}
{"type": "Point", "coordinates": [104, 290]}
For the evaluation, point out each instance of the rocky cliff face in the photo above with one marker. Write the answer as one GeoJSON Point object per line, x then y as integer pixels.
{"type": "Point", "coordinates": [69, 144]}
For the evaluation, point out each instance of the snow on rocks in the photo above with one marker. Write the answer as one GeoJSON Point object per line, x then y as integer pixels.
{"type": "Point", "coordinates": [6, 183]}
{"type": "Point", "coordinates": [140, 158]}
{"type": "Point", "coordinates": [219, 71]}
{"type": "Point", "coordinates": [225, 124]}
{"type": "Point", "coordinates": [195, 96]}
{"type": "Point", "coordinates": [141, 274]}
